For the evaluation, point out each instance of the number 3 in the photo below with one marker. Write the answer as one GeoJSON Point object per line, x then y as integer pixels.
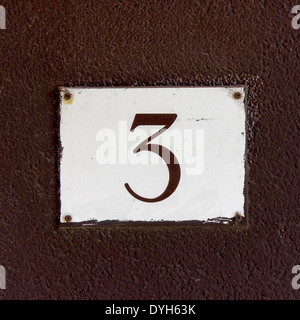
{"type": "Point", "coordinates": [171, 161]}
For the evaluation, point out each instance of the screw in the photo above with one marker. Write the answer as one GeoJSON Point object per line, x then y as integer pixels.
{"type": "Point", "coordinates": [68, 218]}
{"type": "Point", "coordinates": [237, 95]}
{"type": "Point", "coordinates": [237, 218]}
{"type": "Point", "coordinates": [67, 95]}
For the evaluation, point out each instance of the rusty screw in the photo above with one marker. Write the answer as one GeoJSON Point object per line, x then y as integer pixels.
{"type": "Point", "coordinates": [68, 218]}
{"type": "Point", "coordinates": [67, 96]}
{"type": "Point", "coordinates": [237, 95]}
{"type": "Point", "coordinates": [237, 218]}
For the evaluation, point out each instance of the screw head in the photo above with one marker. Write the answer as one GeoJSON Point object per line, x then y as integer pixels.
{"type": "Point", "coordinates": [68, 218]}
{"type": "Point", "coordinates": [67, 95]}
{"type": "Point", "coordinates": [237, 218]}
{"type": "Point", "coordinates": [237, 95]}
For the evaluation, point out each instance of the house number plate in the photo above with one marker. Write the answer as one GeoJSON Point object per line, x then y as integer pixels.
{"type": "Point", "coordinates": [152, 154]}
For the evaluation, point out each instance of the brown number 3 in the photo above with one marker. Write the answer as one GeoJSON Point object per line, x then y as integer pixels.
{"type": "Point", "coordinates": [171, 161]}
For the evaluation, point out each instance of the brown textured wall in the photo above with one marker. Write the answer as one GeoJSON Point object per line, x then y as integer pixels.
{"type": "Point", "coordinates": [48, 44]}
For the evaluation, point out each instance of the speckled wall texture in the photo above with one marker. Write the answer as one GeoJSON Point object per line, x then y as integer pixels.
{"type": "Point", "coordinates": [48, 44]}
